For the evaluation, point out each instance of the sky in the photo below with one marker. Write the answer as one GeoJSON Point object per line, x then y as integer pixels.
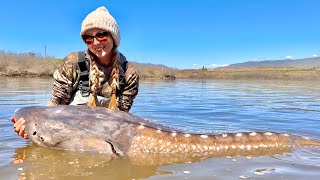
{"type": "Point", "coordinates": [176, 33]}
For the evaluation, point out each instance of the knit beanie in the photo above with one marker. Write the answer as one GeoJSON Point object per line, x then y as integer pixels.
{"type": "Point", "coordinates": [101, 18]}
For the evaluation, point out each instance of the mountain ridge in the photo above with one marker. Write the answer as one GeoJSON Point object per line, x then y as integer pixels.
{"type": "Point", "coordinates": [303, 63]}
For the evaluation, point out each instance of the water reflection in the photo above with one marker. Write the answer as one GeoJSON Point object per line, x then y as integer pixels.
{"type": "Point", "coordinates": [39, 163]}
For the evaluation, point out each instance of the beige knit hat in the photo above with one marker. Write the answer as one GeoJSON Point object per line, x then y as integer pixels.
{"type": "Point", "coordinates": [100, 18]}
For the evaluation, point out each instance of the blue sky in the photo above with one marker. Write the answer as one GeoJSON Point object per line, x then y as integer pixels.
{"type": "Point", "coordinates": [176, 33]}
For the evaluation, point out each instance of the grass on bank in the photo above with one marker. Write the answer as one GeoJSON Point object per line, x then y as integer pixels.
{"type": "Point", "coordinates": [30, 64]}
{"type": "Point", "coordinates": [264, 73]}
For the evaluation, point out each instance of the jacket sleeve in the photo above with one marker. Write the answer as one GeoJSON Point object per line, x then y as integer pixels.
{"type": "Point", "coordinates": [130, 90]}
{"type": "Point", "coordinates": [64, 80]}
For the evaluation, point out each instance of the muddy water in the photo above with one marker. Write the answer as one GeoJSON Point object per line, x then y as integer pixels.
{"type": "Point", "coordinates": [190, 105]}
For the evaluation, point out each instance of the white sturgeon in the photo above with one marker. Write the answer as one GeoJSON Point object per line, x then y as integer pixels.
{"type": "Point", "coordinates": [116, 133]}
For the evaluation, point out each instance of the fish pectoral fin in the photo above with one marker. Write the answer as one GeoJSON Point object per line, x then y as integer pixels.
{"type": "Point", "coordinates": [115, 150]}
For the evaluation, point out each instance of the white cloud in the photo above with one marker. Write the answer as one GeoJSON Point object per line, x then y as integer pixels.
{"type": "Point", "coordinates": [198, 66]}
{"type": "Point", "coordinates": [218, 65]}
{"type": "Point", "coordinates": [315, 55]}
{"type": "Point", "coordinates": [288, 57]}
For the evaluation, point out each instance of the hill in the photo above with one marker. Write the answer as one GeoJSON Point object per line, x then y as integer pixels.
{"type": "Point", "coordinates": [147, 71]}
{"type": "Point", "coordinates": [299, 63]}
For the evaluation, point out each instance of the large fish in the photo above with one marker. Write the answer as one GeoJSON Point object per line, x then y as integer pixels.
{"type": "Point", "coordinates": [117, 133]}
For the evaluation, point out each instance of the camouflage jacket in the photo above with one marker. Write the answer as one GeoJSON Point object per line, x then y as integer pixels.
{"type": "Point", "coordinates": [66, 80]}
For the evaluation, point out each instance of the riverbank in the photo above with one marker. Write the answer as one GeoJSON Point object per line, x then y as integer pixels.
{"type": "Point", "coordinates": [29, 65]}
{"type": "Point", "coordinates": [263, 73]}
{"type": "Point", "coordinates": [224, 74]}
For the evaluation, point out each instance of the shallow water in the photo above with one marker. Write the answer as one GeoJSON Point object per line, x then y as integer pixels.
{"type": "Point", "coordinates": [199, 106]}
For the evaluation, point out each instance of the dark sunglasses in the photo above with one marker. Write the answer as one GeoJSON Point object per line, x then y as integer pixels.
{"type": "Point", "coordinates": [101, 36]}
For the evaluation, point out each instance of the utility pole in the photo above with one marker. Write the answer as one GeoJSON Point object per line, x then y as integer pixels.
{"type": "Point", "coordinates": [45, 51]}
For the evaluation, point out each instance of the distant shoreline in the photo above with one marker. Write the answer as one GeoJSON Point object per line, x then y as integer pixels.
{"type": "Point", "coordinates": [258, 73]}
{"type": "Point", "coordinates": [262, 73]}
{"type": "Point", "coordinates": [2, 74]}
{"type": "Point", "coordinates": [30, 65]}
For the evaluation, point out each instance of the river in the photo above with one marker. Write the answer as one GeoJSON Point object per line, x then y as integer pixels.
{"type": "Point", "coordinates": [196, 106]}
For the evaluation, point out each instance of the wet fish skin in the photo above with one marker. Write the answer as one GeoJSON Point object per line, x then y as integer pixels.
{"type": "Point", "coordinates": [77, 128]}
{"type": "Point", "coordinates": [82, 128]}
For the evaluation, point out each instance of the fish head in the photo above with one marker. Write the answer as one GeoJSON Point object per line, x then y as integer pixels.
{"type": "Point", "coordinates": [46, 133]}
{"type": "Point", "coordinates": [44, 128]}
{"type": "Point", "coordinates": [43, 131]}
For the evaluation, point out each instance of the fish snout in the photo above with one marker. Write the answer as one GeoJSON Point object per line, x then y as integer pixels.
{"type": "Point", "coordinates": [34, 133]}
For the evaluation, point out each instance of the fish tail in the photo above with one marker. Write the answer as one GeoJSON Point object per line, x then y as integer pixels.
{"type": "Point", "coordinates": [307, 142]}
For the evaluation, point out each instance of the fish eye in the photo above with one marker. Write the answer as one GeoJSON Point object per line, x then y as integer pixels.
{"type": "Point", "coordinates": [34, 133]}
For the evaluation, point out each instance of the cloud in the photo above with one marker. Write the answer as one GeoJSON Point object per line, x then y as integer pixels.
{"type": "Point", "coordinates": [218, 65]}
{"type": "Point", "coordinates": [196, 66]}
{"type": "Point", "coordinates": [289, 57]}
{"type": "Point", "coordinates": [199, 66]}
{"type": "Point", "coordinates": [209, 66]}
{"type": "Point", "coordinates": [315, 55]}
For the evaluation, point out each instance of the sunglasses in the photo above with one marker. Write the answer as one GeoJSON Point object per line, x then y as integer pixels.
{"type": "Point", "coordinates": [101, 36]}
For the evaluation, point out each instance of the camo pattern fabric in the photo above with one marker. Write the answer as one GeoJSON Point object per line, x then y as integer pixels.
{"type": "Point", "coordinates": [66, 81]}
